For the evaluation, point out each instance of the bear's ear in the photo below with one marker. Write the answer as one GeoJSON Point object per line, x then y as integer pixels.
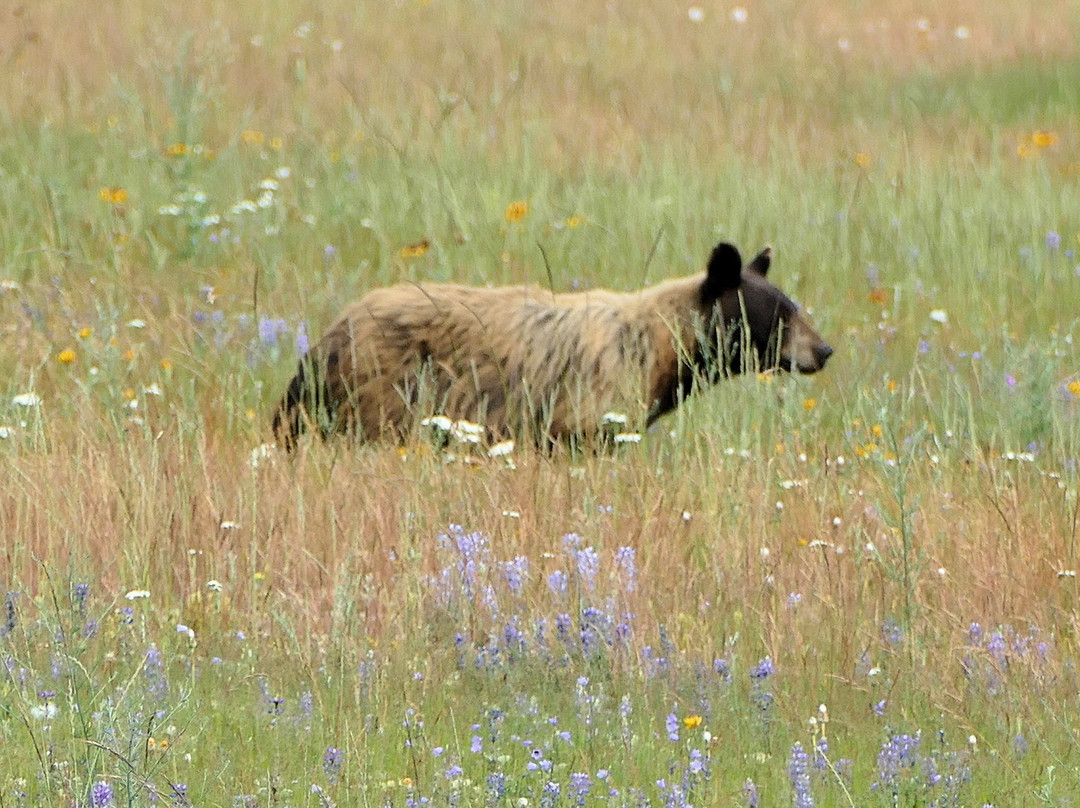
{"type": "Point", "coordinates": [725, 270]}
{"type": "Point", "coordinates": [760, 264]}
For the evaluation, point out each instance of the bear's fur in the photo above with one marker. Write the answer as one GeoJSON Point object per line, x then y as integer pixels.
{"type": "Point", "coordinates": [538, 366]}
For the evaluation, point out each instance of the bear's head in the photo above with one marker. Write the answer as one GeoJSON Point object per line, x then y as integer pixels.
{"type": "Point", "coordinates": [754, 324]}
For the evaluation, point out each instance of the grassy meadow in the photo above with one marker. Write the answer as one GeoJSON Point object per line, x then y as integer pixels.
{"type": "Point", "coordinates": [852, 589]}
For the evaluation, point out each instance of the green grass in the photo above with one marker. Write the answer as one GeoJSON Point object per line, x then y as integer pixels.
{"type": "Point", "coordinates": [184, 191]}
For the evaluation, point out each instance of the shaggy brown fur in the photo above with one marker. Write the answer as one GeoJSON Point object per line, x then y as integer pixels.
{"type": "Point", "coordinates": [539, 366]}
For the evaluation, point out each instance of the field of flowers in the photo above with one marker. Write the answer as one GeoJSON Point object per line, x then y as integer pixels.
{"type": "Point", "coordinates": [852, 589]}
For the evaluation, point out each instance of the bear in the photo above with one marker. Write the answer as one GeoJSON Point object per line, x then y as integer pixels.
{"type": "Point", "coordinates": [534, 365]}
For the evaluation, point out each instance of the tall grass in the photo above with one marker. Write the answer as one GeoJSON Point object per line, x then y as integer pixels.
{"type": "Point", "coordinates": [190, 192]}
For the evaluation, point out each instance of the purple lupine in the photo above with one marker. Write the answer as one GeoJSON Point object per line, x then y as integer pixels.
{"type": "Point", "coordinates": [332, 762]}
{"type": "Point", "coordinates": [496, 787]}
{"type": "Point", "coordinates": [550, 795]}
{"type": "Point", "coordinates": [750, 795]}
{"type": "Point", "coordinates": [799, 776]}
{"type": "Point", "coordinates": [763, 670]}
{"type": "Point", "coordinates": [557, 582]}
{"type": "Point", "coordinates": [892, 632]}
{"type": "Point", "coordinates": [516, 572]}
{"type": "Point", "coordinates": [580, 785]}
{"type": "Point", "coordinates": [82, 592]}
{"type": "Point", "coordinates": [270, 329]}
{"type": "Point", "coordinates": [587, 561]}
{"type": "Point", "coordinates": [101, 795]}
{"type": "Point", "coordinates": [898, 753]}
{"type": "Point", "coordinates": [625, 561]}
{"type": "Point", "coordinates": [10, 615]}
{"type": "Point", "coordinates": [179, 792]}
{"type": "Point", "coordinates": [157, 684]}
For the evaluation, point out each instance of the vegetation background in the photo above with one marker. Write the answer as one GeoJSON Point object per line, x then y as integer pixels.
{"type": "Point", "coordinates": [189, 192]}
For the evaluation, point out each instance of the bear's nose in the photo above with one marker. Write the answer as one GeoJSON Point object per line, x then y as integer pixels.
{"type": "Point", "coordinates": [823, 352]}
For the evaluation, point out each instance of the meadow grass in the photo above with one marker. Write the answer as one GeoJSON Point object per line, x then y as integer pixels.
{"type": "Point", "coordinates": [852, 589]}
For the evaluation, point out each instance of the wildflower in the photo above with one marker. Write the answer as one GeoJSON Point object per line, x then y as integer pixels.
{"type": "Point", "coordinates": [692, 721]}
{"type": "Point", "coordinates": [557, 582]}
{"type": "Point", "coordinates": [454, 772]}
{"type": "Point", "coordinates": [763, 670]}
{"type": "Point", "coordinates": [1044, 139]}
{"type": "Point", "coordinates": [809, 403]}
{"type": "Point", "coordinates": [878, 296]}
{"type": "Point", "coordinates": [939, 316]}
{"type": "Point", "coordinates": [516, 211]}
{"type": "Point", "coordinates": [137, 594]}
{"type": "Point", "coordinates": [101, 795]}
{"type": "Point", "coordinates": [177, 150]}
{"type": "Point", "coordinates": [738, 14]}
{"type": "Point", "coordinates": [252, 136]}
{"type": "Point", "coordinates": [575, 221]}
{"type": "Point", "coordinates": [1074, 387]}
{"type": "Point", "coordinates": [113, 195]}
{"type": "Point", "coordinates": [750, 795]}
{"type": "Point", "coordinates": [26, 400]}
{"type": "Point", "coordinates": [695, 13]}
{"type": "Point", "coordinates": [1053, 240]}
{"type": "Point", "coordinates": [415, 250]}
{"type": "Point", "coordinates": [332, 761]}
{"type": "Point", "coordinates": [862, 159]}
{"type": "Point", "coordinates": [588, 564]}
{"type": "Point", "coordinates": [897, 753]}
{"type": "Point", "coordinates": [501, 449]}
{"type": "Point", "coordinates": [66, 356]}
{"type": "Point", "coordinates": [625, 561]}
{"type": "Point", "coordinates": [672, 726]}
{"type": "Point", "coordinates": [799, 775]}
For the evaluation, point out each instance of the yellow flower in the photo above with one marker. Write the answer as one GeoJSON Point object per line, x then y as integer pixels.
{"type": "Point", "coordinates": [1074, 387]}
{"type": "Point", "coordinates": [879, 296]}
{"type": "Point", "coordinates": [516, 211]}
{"type": "Point", "coordinates": [415, 250]}
{"type": "Point", "coordinates": [1024, 151]}
{"type": "Point", "coordinates": [166, 364]}
{"type": "Point", "coordinates": [1043, 138]}
{"type": "Point", "coordinates": [177, 150]}
{"type": "Point", "coordinates": [276, 143]}
{"type": "Point", "coordinates": [692, 721]}
{"type": "Point", "coordinates": [809, 403]}
{"type": "Point", "coordinates": [66, 356]}
{"type": "Point", "coordinates": [85, 332]}
{"type": "Point", "coordinates": [862, 159]}
{"type": "Point", "coordinates": [894, 385]}
{"type": "Point", "coordinates": [112, 195]}
{"type": "Point", "coordinates": [129, 393]}
{"type": "Point", "coordinates": [877, 430]}
{"type": "Point", "coordinates": [252, 136]}
{"type": "Point", "coordinates": [575, 221]}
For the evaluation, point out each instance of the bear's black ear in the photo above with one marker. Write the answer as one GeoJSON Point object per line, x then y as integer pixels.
{"type": "Point", "coordinates": [725, 270]}
{"type": "Point", "coordinates": [760, 264]}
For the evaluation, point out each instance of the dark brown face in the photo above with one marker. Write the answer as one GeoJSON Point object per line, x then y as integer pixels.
{"type": "Point", "coordinates": [763, 328]}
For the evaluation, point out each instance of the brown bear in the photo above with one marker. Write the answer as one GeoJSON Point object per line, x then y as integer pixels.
{"type": "Point", "coordinates": [541, 366]}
